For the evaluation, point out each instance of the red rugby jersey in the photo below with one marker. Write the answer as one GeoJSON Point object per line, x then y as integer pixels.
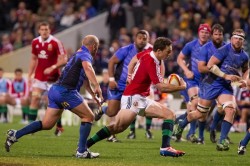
{"type": "Point", "coordinates": [146, 71]}
{"type": "Point", "coordinates": [47, 53]}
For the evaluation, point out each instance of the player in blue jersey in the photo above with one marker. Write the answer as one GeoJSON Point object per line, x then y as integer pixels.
{"type": "Point", "coordinates": [64, 94]}
{"type": "Point", "coordinates": [190, 53]}
{"type": "Point", "coordinates": [205, 54]}
{"type": "Point", "coordinates": [245, 140]}
{"type": "Point", "coordinates": [224, 69]}
{"type": "Point", "coordinates": [118, 74]}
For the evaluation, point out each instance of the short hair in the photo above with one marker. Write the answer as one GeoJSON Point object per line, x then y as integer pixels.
{"type": "Point", "coordinates": [142, 32]}
{"type": "Point", "coordinates": [239, 31]}
{"type": "Point", "coordinates": [1, 69]}
{"type": "Point", "coordinates": [161, 43]}
{"type": "Point", "coordinates": [217, 27]}
{"type": "Point", "coordinates": [18, 70]}
{"type": "Point", "coordinates": [44, 23]}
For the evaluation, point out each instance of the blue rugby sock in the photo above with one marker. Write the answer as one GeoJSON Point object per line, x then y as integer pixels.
{"type": "Point", "coordinates": [181, 117]}
{"type": "Point", "coordinates": [202, 126]}
{"type": "Point", "coordinates": [193, 127]}
{"type": "Point", "coordinates": [225, 128]}
{"type": "Point", "coordinates": [216, 119]}
{"type": "Point", "coordinates": [31, 128]}
{"type": "Point", "coordinates": [184, 123]}
{"type": "Point", "coordinates": [84, 133]}
{"type": "Point", "coordinates": [246, 139]}
{"type": "Point", "coordinates": [104, 109]}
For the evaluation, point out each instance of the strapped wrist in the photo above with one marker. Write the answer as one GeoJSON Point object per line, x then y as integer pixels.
{"type": "Point", "coordinates": [111, 78]}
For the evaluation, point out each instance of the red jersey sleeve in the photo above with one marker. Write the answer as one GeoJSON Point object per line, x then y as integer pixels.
{"type": "Point", "coordinates": [33, 48]}
{"type": "Point", "coordinates": [60, 48]}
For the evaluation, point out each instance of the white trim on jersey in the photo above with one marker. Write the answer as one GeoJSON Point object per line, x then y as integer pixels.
{"type": "Point", "coordinates": [60, 46]}
{"type": "Point", "coordinates": [46, 41]}
{"type": "Point", "coordinates": [158, 67]}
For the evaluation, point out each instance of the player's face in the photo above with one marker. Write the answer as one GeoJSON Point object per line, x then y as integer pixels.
{"type": "Point", "coordinates": [164, 54]}
{"type": "Point", "coordinates": [237, 42]}
{"type": "Point", "coordinates": [18, 75]}
{"type": "Point", "coordinates": [204, 36]}
{"type": "Point", "coordinates": [217, 37]}
{"type": "Point", "coordinates": [141, 41]}
{"type": "Point", "coordinates": [44, 31]}
{"type": "Point", "coordinates": [94, 49]}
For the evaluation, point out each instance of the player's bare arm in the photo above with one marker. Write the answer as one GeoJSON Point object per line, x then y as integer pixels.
{"type": "Point", "coordinates": [61, 61]}
{"type": "Point", "coordinates": [245, 76]}
{"type": "Point", "coordinates": [202, 67]}
{"type": "Point", "coordinates": [171, 88]}
{"type": "Point", "coordinates": [131, 66]}
{"type": "Point", "coordinates": [90, 73]}
{"type": "Point", "coordinates": [111, 69]}
{"type": "Point", "coordinates": [213, 68]}
{"type": "Point", "coordinates": [88, 87]}
{"type": "Point", "coordinates": [181, 62]}
{"type": "Point", "coordinates": [33, 64]}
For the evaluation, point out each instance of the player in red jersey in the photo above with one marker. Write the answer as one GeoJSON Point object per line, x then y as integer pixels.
{"type": "Point", "coordinates": [48, 55]}
{"type": "Point", "coordinates": [134, 101]}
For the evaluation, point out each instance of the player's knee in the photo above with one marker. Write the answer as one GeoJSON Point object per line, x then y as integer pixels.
{"type": "Point", "coordinates": [169, 113]}
{"type": "Point", "coordinates": [47, 126]}
{"type": "Point", "coordinates": [229, 107]}
{"type": "Point", "coordinates": [89, 118]}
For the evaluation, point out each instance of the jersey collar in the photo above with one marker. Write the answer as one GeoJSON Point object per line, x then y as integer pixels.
{"type": "Point", "coordinates": [154, 57]}
{"type": "Point", "coordinates": [46, 41]}
{"type": "Point", "coordinates": [85, 49]}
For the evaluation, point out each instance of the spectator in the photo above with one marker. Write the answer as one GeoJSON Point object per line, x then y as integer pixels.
{"type": "Point", "coordinates": [139, 7]}
{"type": "Point", "coordinates": [6, 46]}
{"type": "Point", "coordinates": [116, 19]}
{"type": "Point", "coordinates": [91, 11]}
{"type": "Point", "coordinates": [68, 18]}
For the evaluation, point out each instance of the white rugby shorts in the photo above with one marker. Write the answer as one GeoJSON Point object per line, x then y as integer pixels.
{"type": "Point", "coordinates": [136, 103]}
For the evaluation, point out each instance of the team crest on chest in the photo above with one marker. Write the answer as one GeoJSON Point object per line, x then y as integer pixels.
{"type": "Point", "coordinates": [50, 47]}
{"type": "Point", "coordinates": [37, 46]}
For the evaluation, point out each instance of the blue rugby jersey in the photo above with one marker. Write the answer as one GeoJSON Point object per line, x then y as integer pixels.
{"type": "Point", "coordinates": [192, 52]}
{"type": "Point", "coordinates": [124, 54]}
{"type": "Point", "coordinates": [231, 62]}
{"type": "Point", "coordinates": [206, 51]}
{"type": "Point", "coordinates": [73, 74]}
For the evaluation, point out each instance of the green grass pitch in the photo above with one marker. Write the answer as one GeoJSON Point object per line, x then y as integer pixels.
{"type": "Point", "coordinates": [44, 148]}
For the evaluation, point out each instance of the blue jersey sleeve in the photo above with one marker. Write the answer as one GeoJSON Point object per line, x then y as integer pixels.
{"type": "Point", "coordinates": [220, 53]}
{"type": "Point", "coordinates": [86, 57]}
{"type": "Point", "coordinates": [187, 49]}
{"type": "Point", "coordinates": [203, 55]}
{"type": "Point", "coordinates": [121, 53]}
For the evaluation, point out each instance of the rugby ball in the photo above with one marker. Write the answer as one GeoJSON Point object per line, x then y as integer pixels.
{"type": "Point", "coordinates": [174, 79]}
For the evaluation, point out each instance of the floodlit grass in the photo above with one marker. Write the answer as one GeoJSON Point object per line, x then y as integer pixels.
{"type": "Point", "coordinates": [43, 148]}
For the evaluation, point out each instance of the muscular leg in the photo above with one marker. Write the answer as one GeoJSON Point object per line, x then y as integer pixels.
{"type": "Point", "coordinates": [123, 119]}
{"type": "Point", "coordinates": [229, 106]}
{"type": "Point", "coordinates": [87, 117]}
{"type": "Point", "coordinates": [49, 120]}
{"type": "Point", "coordinates": [35, 99]}
{"type": "Point", "coordinates": [192, 93]}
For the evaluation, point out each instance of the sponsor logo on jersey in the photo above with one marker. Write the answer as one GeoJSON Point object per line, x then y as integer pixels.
{"type": "Point", "coordinates": [37, 46]}
{"type": "Point", "coordinates": [43, 55]}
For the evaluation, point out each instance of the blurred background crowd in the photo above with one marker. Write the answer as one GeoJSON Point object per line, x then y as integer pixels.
{"type": "Point", "coordinates": [178, 20]}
